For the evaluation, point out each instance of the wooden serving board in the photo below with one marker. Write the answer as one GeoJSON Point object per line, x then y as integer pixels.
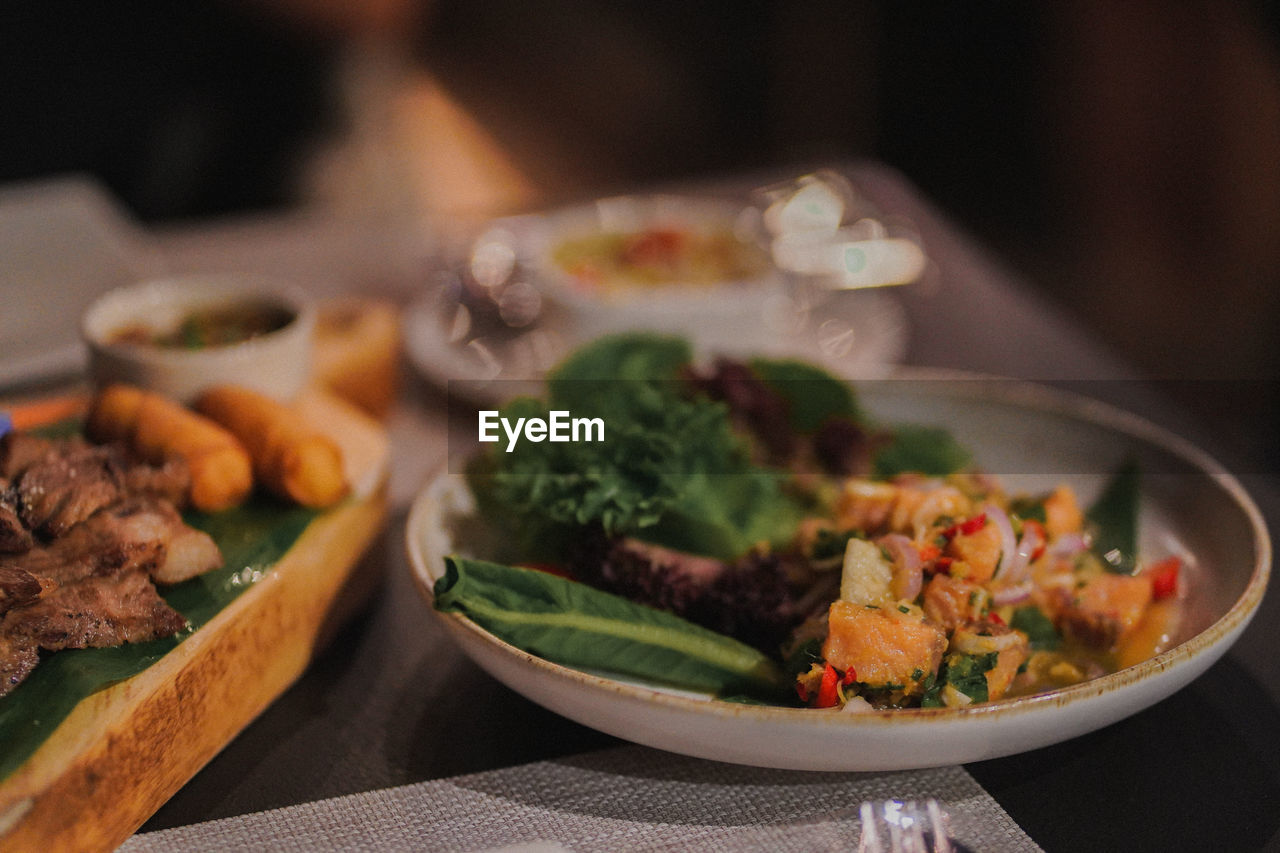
{"type": "Point", "coordinates": [127, 749]}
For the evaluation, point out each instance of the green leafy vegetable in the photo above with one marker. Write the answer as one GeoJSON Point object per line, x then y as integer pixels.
{"type": "Point", "coordinates": [1113, 518]}
{"type": "Point", "coordinates": [626, 357]}
{"type": "Point", "coordinates": [966, 673]}
{"type": "Point", "coordinates": [670, 469]}
{"type": "Point", "coordinates": [929, 450]}
{"type": "Point", "coordinates": [1039, 629]}
{"type": "Point", "coordinates": [1028, 508]}
{"type": "Point", "coordinates": [813, 396]}
{"type": "Point", "coordinates": [253, 537]}
{"type": "Point", "coordinates": [576, 625]}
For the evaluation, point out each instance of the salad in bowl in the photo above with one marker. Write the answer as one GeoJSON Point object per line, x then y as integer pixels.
{"type": "Point", "coordinates": [746, 529]}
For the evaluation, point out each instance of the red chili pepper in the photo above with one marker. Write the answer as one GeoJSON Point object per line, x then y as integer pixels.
{"type": "Point", "coordinates": [1164, 577]}
{"type": "Point", "coordinates": [827, 695]}
{"type": "Point", "coordinates": [930, 552]}
{"type": "Point", "coordinates": [995, 617]}
{"type": "Point", "coordinates": [850, 676]}
{"type": "Point", "coordinates": [1044, 538]}
{"type": "Point", "coordinates": [944, 563]}
{"type": "Point", "coordinates": [967, 527]}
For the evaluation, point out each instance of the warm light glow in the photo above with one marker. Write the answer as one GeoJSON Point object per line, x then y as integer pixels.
{"type": "Point", "coordinates": [457, 166]}
{"type": "Point", "coordinates": [851, 263]}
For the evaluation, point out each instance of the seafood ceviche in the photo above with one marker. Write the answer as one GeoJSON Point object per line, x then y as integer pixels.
{"type": "Point", "coordinates": [745, 528]}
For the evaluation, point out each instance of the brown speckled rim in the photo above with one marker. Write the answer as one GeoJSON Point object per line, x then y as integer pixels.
{"type": "Point", "coordinates": [1009, 392]}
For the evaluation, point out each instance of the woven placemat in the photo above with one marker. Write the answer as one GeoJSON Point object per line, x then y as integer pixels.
{"type": "Point", "coordinates": [630, 797]}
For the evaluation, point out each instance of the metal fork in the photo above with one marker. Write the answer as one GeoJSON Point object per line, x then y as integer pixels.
{"type": "Point", "coordinates": [910, 827]}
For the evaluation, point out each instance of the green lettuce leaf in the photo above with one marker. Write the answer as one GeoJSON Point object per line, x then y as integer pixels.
{"type": "Point", "coordinates": [813, 396]}
{"type": "Point", "coordinates": [932, 451]}
{"type": "Point", "coordinates": [1113, 520]}
{"type": "Point", "coordinates": [576, 625]}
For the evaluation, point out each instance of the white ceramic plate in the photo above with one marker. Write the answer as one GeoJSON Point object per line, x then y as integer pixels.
{"type": "Point", "coordinates": [1032, 438]}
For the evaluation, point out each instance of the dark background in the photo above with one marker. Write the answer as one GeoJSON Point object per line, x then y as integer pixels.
{"type": "Point", "coordinates": [1122, 156]}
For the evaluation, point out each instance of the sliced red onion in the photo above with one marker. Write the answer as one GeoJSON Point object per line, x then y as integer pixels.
{"type": "Point", "coordinates": [1015, 569]}
{"type": "Point", "coordinates": [908, 573]}
{"type": "Point", "coordinates": [1068, 545]}
{"type": "Point", "coordinates": [1013, 594]}
{"type": "Point", "coordinates": [1008, 542]}
{"type": "Point", "coordinates": [969, 643]}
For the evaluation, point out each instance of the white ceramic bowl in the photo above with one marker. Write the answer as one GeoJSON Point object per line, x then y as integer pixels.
{"type": "Point", "coordinates": [277, 363]}
{"type": "Point", "coordinates": [697, 309]}
{"type": "Point", "coordinates": [1031, 437]}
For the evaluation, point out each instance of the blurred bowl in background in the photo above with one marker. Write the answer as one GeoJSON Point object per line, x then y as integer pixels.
{"type": "Point", "coordinates": [182, 334]}
{"type": "Point", "coordinates": [670, 262]}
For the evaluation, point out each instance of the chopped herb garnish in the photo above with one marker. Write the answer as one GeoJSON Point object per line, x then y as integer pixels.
{"type": "Point", "coordinates": [1039, 629]}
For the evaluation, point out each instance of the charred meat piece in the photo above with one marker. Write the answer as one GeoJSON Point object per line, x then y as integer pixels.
{"type": "Point", "coordinates": [111, 541]}
{"type": "Point", "coordinates": [71, 481]}
{"type": "Point", "coordinates": [18, 656]}
{"type": "Point", "coordinates": [750, 599]}
{"type": "Point", "coordinates": [96, 612]}
{"type": "Point", "coordinates": [66, 487]}
{"type": "Point", "coordinates": [14, 536]}
{"type": "Point", "coordinates": [170, 480]}
{"type": "Point", "coordinates": [18, 587]}
{"type": "Point", "coordinates": [139, 533]}
{"type": "Point", "coordinates": [752, 602]}
{"type": "Point", "coordinates": [651, 576]}
{"type": "Point", "coordinates": [18, 450]}
{"type": "Point", "coordinates": [139, 523]}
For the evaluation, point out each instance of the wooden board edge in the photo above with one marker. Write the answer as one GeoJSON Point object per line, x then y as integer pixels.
{"type": "Point", "coordinates": [125, 750]}
{"type": "Point", "coordinates": [133, 745]}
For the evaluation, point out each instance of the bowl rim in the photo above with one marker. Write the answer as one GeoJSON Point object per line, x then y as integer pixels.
{"type": "Point", "coordinates": [198, 289]}
{"type": "Point", "coordinates": [1011, 391]}
{"type": "Point", "coordinates": [534, 237]}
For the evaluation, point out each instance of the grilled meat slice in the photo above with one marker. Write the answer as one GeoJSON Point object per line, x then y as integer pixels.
{"type": "Point", "coordinates": [139, 533]}
{"type": "Point", "coordinates": [117, 539]}
{"type": "Point", "coordinates": [171, 480]}
{"type": "Point", "coordinates": [95, 612]}
{"type": "Point", "coordinates": [64, 488]}
{"type": "Point", "coordinates": [18, 656]}
{"type": "Point", "coordinates": [14, 536]}
{"type": "Point", "coordinates": [19, 587]}
{"type": "Point", "coordinates": [141, 523]}
{"type": "Point", "coordinates": [72, 480]}
{"type": "Point", "coordinates": [18, 450]}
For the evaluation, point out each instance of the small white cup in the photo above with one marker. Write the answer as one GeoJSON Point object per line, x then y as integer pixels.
{"type": "Point", "coordinates": [277, 363]}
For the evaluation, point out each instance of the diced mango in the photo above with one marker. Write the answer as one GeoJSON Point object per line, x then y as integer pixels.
{"type": "Point", "coordinates": [952, 601]}
{"type": "Point", "coordinates": [979, 551]}
{"type": "Point", "coordinates": [1006, 669]}
{"type": "Point", "coordinates": [1062, 512]}
{"type": "Point", "coordinates": [1102, 610]}
{"type": "Point", "coordinates": [883, 647]}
